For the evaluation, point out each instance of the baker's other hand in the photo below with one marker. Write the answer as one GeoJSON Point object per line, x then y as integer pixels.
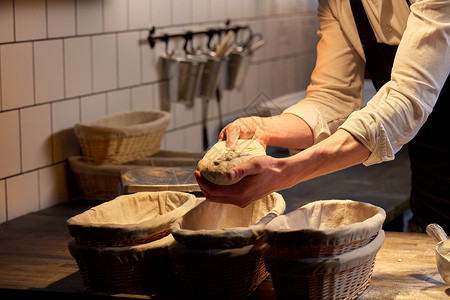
{"type": "Point", "coordinates": [244, 128]}
{"type": "Point", "coordinates": [259, 177]}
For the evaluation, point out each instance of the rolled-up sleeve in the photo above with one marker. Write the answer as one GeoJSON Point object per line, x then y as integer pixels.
{"type": "Point", "coordinates": [421, 66]}
{"type": "Point", "coordinates": [336, 84]}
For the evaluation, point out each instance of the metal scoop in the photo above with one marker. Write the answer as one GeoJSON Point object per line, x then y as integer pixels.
{"type": "Point", "coordinates": [442, 250]}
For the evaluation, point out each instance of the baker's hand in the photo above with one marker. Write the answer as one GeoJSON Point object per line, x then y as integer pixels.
{"type": "Point", "coordinates": [259, 177]}
{"type": "Point", "coordinates": [244, 128]}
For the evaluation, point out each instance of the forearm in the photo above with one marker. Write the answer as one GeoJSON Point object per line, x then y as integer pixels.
{"type": "Point", "coordinates": [288, 131]}
{"type": "Point", "coordinates": [341, 150]}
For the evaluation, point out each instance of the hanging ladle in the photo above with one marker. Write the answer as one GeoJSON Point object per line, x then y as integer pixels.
{"type": "Point", "coordinates": [442, 250]}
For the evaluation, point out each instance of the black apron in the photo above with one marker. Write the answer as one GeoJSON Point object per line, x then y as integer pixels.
{"type": "Point", "coordinates": [429, 150]}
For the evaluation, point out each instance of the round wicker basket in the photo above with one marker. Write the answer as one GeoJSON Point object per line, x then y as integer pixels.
{"type": "Point", "coordinates": [343, 276]}
{"type": "Point", "coordinates": [130, 219]}
{"type": "Point", "coordinates": [324, 228]}
{"type": "Point", "coordinates": [134, 269]}
{"type": "Point", "coordinates": [123, 137]}
{"type": "Point", "coordinates": [219, 273]}
{"type": "Point", "coordinates": [214, 225]}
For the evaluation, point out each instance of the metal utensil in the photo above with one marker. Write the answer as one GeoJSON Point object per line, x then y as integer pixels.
{"type": "Point", "coordinates": [184, 73]}
{"type": "Point", "coordinates": [442, 250]}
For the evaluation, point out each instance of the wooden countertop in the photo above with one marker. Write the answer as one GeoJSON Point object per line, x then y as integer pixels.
{"type": "Point", "coordinates": [34, 260]}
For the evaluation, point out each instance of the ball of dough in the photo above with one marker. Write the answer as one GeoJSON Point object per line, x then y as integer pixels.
{"type": "Point", "coordinates": [218, 160]}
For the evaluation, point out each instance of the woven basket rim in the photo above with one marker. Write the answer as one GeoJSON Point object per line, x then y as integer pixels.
{"type": "Point", "coordinates": [95, 130]}
{"type": "Point", "coordinates": [118, 232]}
{"type": "Point", "coordinates": [253, 250]}
{"type": "Point", "coordinates": [225, 237]}
{"type": "Point", "coordinates": [324, 265]}
{"type": "Point", "coordinates": [315, 237]}
{"type": "Point", "coordinates": [122, 254]}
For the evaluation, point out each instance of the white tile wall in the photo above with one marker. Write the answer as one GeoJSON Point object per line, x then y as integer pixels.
{"type": "Point", "coordinates": [236, 8]}
{"type": "Point", "coordinates": [3, 209]}
{"type": "Point", "coordinates": [89, 16]}
{"type": "Point", "coordinates": [128, 53]}
{"type": "Point", "coordinates": [61, 18]}
{"type": "Point", "coordinates": [16, 69]}
{"type": "Point", "coordinates": [218, 10]}
{"type": "Point", "coordinates": [6, 21]}
{"type": "Point", "coordinates": [52, 186]}
{"type": "Point", "coordinates": [161, 14]}
{"type": "Point", "coordinates": [142, 98]}
{"type": "Point", "coordinates": [139, 14]}
{"type": "Point", "coordinates": [78, 68]}
{"type": "Point", "coordinates": [200, 10]}
{"type": "Point", "coordinates": [10, 141]}
{"type": "Point", "coordinates": [36, 137]}
{"type": "Point", "coordinates": [64, 115]}
{"type": "Point", "coordinates": [118, 101]}
{"type": "Point", "coordinates": [93, 107]}
{"type": "Point", "coordinates": [30, 19]}
{"type": "Point", "coordinates": [22, 194]}
{"type": "Point", "coordinates": [150, 59]}
{"type": "Point", "coordinates": [195, 135]}
{"type": "Point", "coordinates": [66, 61]}
{"type": "Point", "coordinates": [48, 70]}
{"type": "Point", "coordinates": [115, 15]}
{"type": "Point", "coordinates": [104, 62]}
{"type": "Point", "coordinates": [181, 12]}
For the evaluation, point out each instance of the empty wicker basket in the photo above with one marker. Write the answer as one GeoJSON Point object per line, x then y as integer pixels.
{"type": "Point", "coordinates": [123, 137]}
{"type": "Point", "coordinates": [214, 225]}
{"type": "Point", "coordinates": [219, 273]}
{"type": "Point", "coordinates": [219, 249]}
{"type": "Point", "coordinates": [324, 228]}
{"type": "Point", "coordinates": [134, 269]}
{"type": "Point", "coordinates": [130, 219]}
{"type": "Point", "coordinates": [102, 182]}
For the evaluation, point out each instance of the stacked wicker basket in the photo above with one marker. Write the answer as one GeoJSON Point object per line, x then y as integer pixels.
{"type": "Point", "coordinates": [218, 252]}
{"type": "Point", "coordinates": [324, 250]}
{"type": "Point", "coordinates": [121, 246]}
{"type": "Point", "coordinates": [109, 143]}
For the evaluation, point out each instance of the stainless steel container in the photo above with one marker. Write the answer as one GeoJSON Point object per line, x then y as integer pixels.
{"type": "Point", "coordinates": [184, 73]}
{"type": "Point", "coordinates": [212, 74]}
{"type": "Point", "coordinates": [236, 69]}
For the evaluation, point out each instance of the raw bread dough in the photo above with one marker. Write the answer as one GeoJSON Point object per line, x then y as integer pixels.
{"type": "Point", "coordinates": [218, 160]}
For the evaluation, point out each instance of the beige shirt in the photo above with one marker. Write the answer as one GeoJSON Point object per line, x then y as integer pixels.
{"type": "Point", "coordinates": [398, 110]}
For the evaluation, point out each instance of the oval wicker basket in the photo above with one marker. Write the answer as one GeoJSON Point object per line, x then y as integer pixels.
{"type": "Point", "coordinates": [343, 276]}
{"type": "Point", "coordinates": [131, 269]}
{"type": "Point", "coordinates": [130, 219]}
{"type": "Point", "coordinates": [214, 225]}
{"type": "Point", "coordinates": [219, 273]}
{"type": "Point", "coordinates": [324, 228]}
{"type": "Point", "coordinates": [123, 137]}
{"type": "Point", "coordinates": [102, 182]}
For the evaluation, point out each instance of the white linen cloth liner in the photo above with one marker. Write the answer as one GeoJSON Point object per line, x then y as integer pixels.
{"type": "Point", "coordinates": [126, 254]}
{"type": "Point", "coordinates": [217, 225]}
{"type": "Point", "coordinates": [326, 223]}
{"type": "Point", "coordinates": [131, 217]}
{"type": "Point", "coordinates": [115, 126]}
{"type": "Point", "coordinates": [324, 265]}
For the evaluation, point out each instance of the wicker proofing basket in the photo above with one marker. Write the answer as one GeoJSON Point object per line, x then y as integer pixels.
{"type": "Point", "coordinates": [219, 273]}
{"type": "Point", "coordinates": [101, 182]}
{"type": "Point", "coordinates": [324, 228]}
{"type": "Point", "coordinates": [214, 225]}
{"type": "Point", "coordinates": [123, 137]}
{"type": "Point", "coordinates": [343, 276]}
{"type": "Point", "coordinates": [131, 219]}
{"type": "Point", "coordinates": [135, 269]}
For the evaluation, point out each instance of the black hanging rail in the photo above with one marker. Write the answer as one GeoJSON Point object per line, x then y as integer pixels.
{"type": "Point", "coordinates": [187, 35]}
